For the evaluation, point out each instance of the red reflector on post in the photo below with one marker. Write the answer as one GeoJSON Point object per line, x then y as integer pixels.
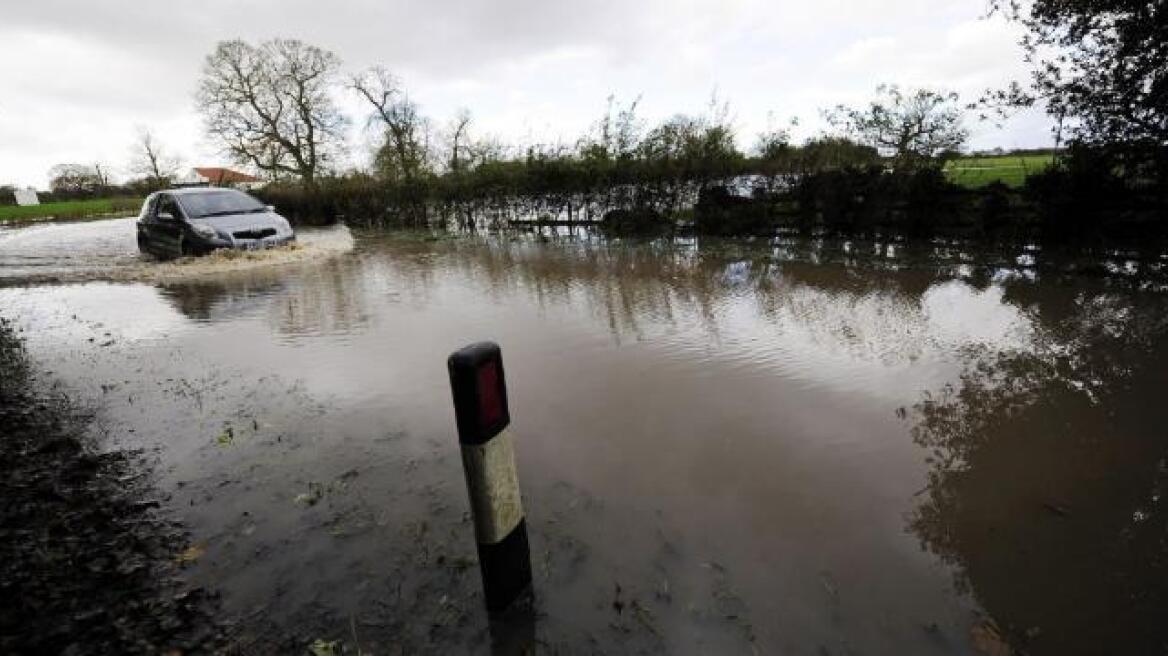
{"type": "Point", "coordinates": [479, 383]}
{"type": "Point", "coordinates": [490, 401]}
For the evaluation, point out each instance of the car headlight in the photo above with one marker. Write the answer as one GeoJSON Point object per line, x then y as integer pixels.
{"type": "Point", "coordinates": [205, 231]}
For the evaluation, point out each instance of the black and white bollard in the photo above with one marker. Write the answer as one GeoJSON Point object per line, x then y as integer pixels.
{"type": "Point", "coordinates": [488, 458]}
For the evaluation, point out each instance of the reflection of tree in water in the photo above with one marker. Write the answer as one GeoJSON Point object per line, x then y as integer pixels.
{"type": "Point", "coordinates": [210, 300]}
{"type": "Point", "coordinates": [310, 300]}
{"type": "Point", "coordinates": [1048, 473]}
{"type": "Point", "coordinates": [650, 289]}
{"type": "Point", "coordinates": [324, 299]}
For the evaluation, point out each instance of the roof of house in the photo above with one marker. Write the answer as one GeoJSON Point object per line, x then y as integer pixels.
{"type": "Point", "coordinates": [220, 175]}
{"type": "Point", "coordinates": [195, 191]}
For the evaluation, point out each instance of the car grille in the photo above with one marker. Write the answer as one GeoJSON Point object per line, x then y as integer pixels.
{"type": "Point", "coordinates": [257, 233]}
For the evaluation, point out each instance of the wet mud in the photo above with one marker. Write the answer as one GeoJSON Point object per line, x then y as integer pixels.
{"type": "Point", "coordinates": [88, 565]}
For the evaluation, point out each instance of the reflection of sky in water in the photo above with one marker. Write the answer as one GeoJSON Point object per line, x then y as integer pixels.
{"type": "Point", "coordinates": [134, 312]}
{"type": "Point", "coordinates": [863, 342]}
{"type": "Point", "coordinates": [960, 315]}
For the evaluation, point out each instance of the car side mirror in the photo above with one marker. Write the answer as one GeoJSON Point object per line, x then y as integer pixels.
{"type": "Point", "coordinates": [165, 216]}
{"type": "Point", "coordinates": [270, 208]}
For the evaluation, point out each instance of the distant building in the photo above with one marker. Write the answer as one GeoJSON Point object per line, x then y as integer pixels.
{"type": "Point", "coordinates": [215, 176]}
{"type": "Point", "coordinates": [26, 196]}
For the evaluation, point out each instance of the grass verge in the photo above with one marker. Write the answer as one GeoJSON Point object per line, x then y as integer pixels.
{"type": "Point", "coordinates": [71, 209]}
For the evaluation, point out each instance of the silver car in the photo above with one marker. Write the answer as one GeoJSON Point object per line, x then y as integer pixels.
{"type": "Point", "coordinates": [196, 221]}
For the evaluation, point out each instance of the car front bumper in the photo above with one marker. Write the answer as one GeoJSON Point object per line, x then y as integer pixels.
{"type": "Point", "coordinates": [240, 244]}
{"type": "Point", "coordinates": [262, 243]}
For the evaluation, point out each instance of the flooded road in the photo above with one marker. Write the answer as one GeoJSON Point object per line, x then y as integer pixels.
{"type": "Point", "coordinates": [723, 447]}
{"type": "Point", "coordinates": [106, 250]}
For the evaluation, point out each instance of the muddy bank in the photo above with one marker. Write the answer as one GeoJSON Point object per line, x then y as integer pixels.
{"type": "Point", "coordinates": [87, 565]}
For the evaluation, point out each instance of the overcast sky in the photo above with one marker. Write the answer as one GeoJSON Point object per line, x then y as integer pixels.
{"type": "Point", "coordinates": [79, 77]}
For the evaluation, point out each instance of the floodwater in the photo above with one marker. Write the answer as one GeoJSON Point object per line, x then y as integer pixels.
{"type": "Point", "coordinates": [724, 447]}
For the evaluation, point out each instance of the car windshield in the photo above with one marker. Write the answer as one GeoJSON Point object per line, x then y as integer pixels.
{"type": "Point", "coordinates": [219, 203]}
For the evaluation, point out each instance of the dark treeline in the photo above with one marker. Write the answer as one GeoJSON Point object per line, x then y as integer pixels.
{"type": "Point", "coordinates": [640, 181]}
{"type": "Point", "coordinates": [827, 186]}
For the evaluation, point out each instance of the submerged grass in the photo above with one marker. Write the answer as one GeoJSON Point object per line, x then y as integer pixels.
{"type": "Point", "coordinates": [70, 209]}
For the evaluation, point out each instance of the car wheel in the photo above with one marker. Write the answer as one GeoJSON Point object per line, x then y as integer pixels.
{"type": "Point", "coordinates": [183, 250]}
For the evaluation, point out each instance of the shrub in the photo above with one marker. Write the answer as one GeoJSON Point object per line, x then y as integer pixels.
{"type": "Point", "coordinates": [719, 212]}
{"type": "Point", "coordinates": [637, 221]}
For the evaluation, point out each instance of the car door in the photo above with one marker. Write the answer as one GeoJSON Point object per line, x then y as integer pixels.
{"type": "Point", "coordinates": [146, 225]}
{"type": "Point", "coordinates": [167, 225]}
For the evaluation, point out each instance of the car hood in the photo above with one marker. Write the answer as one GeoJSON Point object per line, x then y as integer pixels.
{"type": "Point", "coordinates": [229, 223]}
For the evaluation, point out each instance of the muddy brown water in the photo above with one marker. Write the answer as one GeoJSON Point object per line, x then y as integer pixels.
{"type": "Point", "coordinates": [724, 447]}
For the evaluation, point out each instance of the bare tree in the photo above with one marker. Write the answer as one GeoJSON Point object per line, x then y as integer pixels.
{"type": "Point", "coordinates": [77, 178]}
{"type": "Point", "coordinates": [487, 149]}
{"type": "Point", "coordinates": [150, 159]}
{"type": "Point", "coordinates": [405, 154]}
{"type": "Point", "coordinates": [102, 172]}
{"type": "Point", "coordinates": [460, 153]}
{"type": "Point", "coordinates": [616, 135]}
{"type": "Point", "coordinates": [271, 106]}
{"type": "Point", "coordinates": [913, 128]}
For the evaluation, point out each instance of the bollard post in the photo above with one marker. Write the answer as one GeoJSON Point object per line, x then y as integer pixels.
{"type": "Point", "coordinates": [488, 459]}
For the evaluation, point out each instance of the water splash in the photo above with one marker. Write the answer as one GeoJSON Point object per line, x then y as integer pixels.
{"type": "Point", "coordinates": [106, 251]}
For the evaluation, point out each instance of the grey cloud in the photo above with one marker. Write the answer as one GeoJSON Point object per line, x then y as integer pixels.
{"type": "Point", "coordinates": [431, 38]}
{"type": "Point", "coordinates": [539, 68]}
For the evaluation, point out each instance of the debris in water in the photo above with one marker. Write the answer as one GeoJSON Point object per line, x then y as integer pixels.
{"type": "Point", "coordinates": [645, 617]}
{"type": "Point", "coordinates": [320, 647]}
{"type": "Point", "coordinates": [829, 585]}
{"type": "Point", "coordinates": [663, 594]}
{"type": "Point", "coordinates": [987, 639]}
{"type": "Point", "coordinates": [314, 494]}
{"type": "Point", "coordinates": [191, 554]}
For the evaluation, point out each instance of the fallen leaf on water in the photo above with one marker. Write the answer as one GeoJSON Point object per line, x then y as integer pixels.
{"type": "Point", "coordinates": [191, 554]}
{"type": "Point", "coordinates": [987, 639]}
{"type": "Point", "coordinates": [309, 498]}
{"type": "Point", "coordinates": [321, 648]}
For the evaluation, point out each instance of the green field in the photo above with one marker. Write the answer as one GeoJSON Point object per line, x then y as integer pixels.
{"type": "Point", "coordinates": [72, 209]}
{"type": "Point", "coordinates": [1011, 169]}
